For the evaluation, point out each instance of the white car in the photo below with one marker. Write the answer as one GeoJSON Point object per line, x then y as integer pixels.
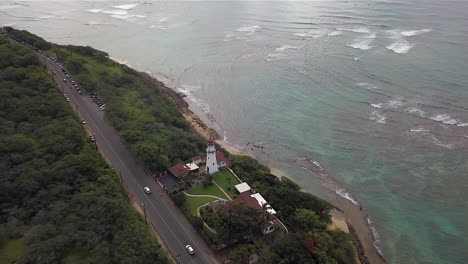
{"type": "Point", "coordinates": [189, 249]}
{"type": "Point", "coordinates": [147, 190]}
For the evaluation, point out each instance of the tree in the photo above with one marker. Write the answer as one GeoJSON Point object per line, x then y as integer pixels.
{"type": "Point", "coordinates": [236, 221]}
{"type": "Point", "coordinates": [207, 181]}
{"type": "Point", "coordinates": [307, 220]}
{"type": "Point", "coordinates": [179, 198]}
{"type": "Point", "coordinates": [242, 254]}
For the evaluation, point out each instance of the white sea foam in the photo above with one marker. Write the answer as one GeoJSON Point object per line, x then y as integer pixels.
{"type": "Point", "coordinates": [8, 7]}
{"type": "Point", "coordinates": [356, 30]}
{"type": "Point", "coordinates": [275, 56]}
{"type": "Point", "coordinates": [444, 118]}
{"type": "Point", "coordinates": [419, 130]}
{"type": "Point", "coordinates": [378, 117]}
{"type": "Point", "coordinates": [416, 111]}
{"type": "Point", "coordinates": [188, 90]}
{"type": "Point", "coordinates": [285, 47]}
{"type": "Point", "coordinates": [95, 10]}
{"type": "Point", "coordinates": [394, 103]}
{"type": "Point", "coordinates": [356, 58]}
{"type": "Point", "coordinates": [411, 33]}
{"type": "Point", "coordinates": [127, 17]}
{"type": "Point", "coordinates": [248, 28]}
{"type": "Point", "coordinates": [316, 163]}
{"type": "Point", "coordinates": [125, 7]}
{"type": "Point", "coordinates": [375, 236]}
{"type": "Point", "coordinates": [162, 20]}
{"type": "Point", "coordinates": [437, 142]}
{"type": "Point", "coordinates": [400, 46]}
{"type": "Point", "coordinates": [368, 86]}
{"type": "Point", "coordinates": [115, 12]}
{"type": "Point", "coordinates": [46, 17]}
{"type": "Point", "coordinates": [311, 34]}
{"type": "Point", "coordinates": [363, 43]}
{"type": "Point", "coordinates": [9, 24]}
{"type": "Point", "coordinates": [343, 193]}
{"type": "Point", "coordinates": [379, 105]}
{"type": "Point", "coordinates": [335, 33]}
{"type": "Point", "coordinates": [462, 124]}
{"type": "Point", "coordinates": [93, 23]}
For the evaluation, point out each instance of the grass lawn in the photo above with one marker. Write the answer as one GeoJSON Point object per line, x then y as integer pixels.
{"type": "Point", "coordinates": [194, 202]}
{"type": "Point", "coordinates": [12, 249]}
{"type": "Point", "coordinates": [226, 180]}
{"type": "Point", "coordinates": [210, 190]}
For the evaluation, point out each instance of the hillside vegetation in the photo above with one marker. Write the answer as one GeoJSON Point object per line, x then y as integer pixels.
{"type": "Point", "coordinates": [58, 198]}
{"type": "Point", "coordinates": [158, 135]}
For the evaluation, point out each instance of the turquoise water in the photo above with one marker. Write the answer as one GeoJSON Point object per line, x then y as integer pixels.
{"type": "Point", "coordinates": [365, 98]}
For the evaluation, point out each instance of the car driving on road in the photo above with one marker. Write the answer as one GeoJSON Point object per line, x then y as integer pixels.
{"type": "Point", "coordinates": [190, 249]}
{"type": "Point", "coordinates": [147, 190]}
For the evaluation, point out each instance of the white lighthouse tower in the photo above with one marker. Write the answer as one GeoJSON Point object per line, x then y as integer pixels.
{"type": "Point", "coordinates": [211, 162]}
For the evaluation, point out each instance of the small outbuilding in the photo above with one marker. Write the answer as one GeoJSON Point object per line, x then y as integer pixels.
{"type": "Point", "coordinates": [242, 187]}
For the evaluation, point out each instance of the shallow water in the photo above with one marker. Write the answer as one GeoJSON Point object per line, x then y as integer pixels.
{"type": "Point", "coordinates": [365, 98]}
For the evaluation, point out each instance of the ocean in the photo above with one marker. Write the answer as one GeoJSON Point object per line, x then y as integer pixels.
{"type": "Point", "coordinates": [363, 99]}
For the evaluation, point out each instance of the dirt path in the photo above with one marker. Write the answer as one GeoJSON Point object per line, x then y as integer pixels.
{"type": "Point", "coordinates": [225, 193]}
{"type": "Point", "coordinates": [205, 195]}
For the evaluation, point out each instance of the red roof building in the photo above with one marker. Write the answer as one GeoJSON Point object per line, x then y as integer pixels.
{"type": "Point", "coordinates": [222, 160]}
{"type": "Point", "coordinates": [179, 170]}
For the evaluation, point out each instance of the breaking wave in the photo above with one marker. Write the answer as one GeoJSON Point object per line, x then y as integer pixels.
{"type": "Point", "coordinates": [444, 118]}
{"type": "Point", "coordinates": [400, 46]}
{"type": "Point", "coordinates": [363, 43]}
{"type": "Point", "coordinates": [379, 105]}
{"type": "Point", "coordinates": [378, 117]}
{"type": "Point", "coordinates": [275, 56]}
{"type": "Point", "coordinates": [416, 111]}
{"type": "Point", "coordinates": [285, 47]}
{"type": "Point", "coordinates": [8, 7]}
{"type": "Point", "coordinates": [419, 130]}
{"type": "Point", "coordinates": [188, 90]}
{"type": "Point", "coordinates": [343, 193]}
{"type": "Point", "coordinates": [248, 28]}
{"type": "Point", "coordinates": [115, 12]}
{"type": "Point", "coordinates": [356, 30]}
{"type": "Point", "coordinates": [335, 33]}
{"type": "Point", "coordinates": [125, 7]}
{"type": "Point", "coordinates": [375, 236]}
{"type": "Point", "coordinates": [311, 34]}
{"type": "Point", "coordinates": [411, 33]}
{"type": "Point", "coordinates": [94, 10]}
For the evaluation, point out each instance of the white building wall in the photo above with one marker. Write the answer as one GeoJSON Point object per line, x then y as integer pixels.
{"type": "Point", "coordinates": [211, 163]}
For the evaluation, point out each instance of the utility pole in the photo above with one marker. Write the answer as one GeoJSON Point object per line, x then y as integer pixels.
{"type": "Point", "coordinates": [144, 212]}
{"type": "Point", "coordinates": [95, 143]}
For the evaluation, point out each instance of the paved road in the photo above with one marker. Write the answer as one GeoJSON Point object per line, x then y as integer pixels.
{"type": "Point", "coordinates": [172, 226]}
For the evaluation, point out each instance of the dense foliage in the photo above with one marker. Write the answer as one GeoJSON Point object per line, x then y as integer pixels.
{"type": "Point", "coordinates": [56, 193]}
{"type": "Point", "coordinates": [156, 132]}
{"type": "Point", "coordinates": [145, 117]}
{"type": "Point", "coordinates": [305, 215]}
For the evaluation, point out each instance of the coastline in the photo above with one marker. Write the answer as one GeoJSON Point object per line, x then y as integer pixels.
{"type": "Point", "coordinates": [349, 217]}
